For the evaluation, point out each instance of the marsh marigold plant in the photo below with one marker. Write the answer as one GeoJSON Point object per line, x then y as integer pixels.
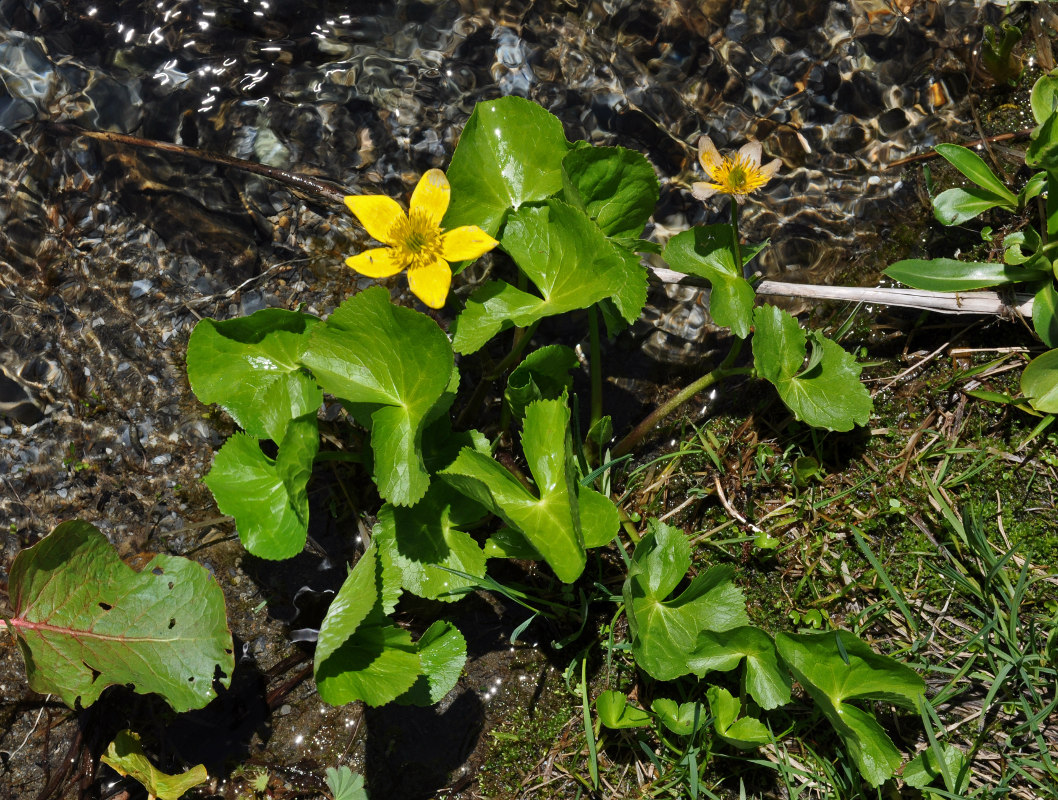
{"type": "Point", "coordinates": [415, 241]}
{"type": "Point", "coordinates": [737, 175]}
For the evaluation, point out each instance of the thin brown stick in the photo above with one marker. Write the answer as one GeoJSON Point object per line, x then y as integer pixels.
{"type": "Point", "coordinates": [323, 189]}
{"type": "Point", "coordinates": [1001, 137]}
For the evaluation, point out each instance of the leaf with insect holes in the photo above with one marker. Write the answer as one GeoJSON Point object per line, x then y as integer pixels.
{"type": "Point", "coordinates": [125, 756]}
{"type": "Point", "coordinates": [85, 621]}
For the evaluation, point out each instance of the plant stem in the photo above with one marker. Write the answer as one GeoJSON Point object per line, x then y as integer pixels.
{"type": "Point", "coordinates": [725, 370]}
{"type": "Point", "coordinates": [595, 365]}
{"type": "Point", "coordinates": [517, 346]}
{"type": "Point", "coordinates": [734, 236]}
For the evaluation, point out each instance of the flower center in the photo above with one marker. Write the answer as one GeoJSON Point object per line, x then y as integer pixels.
{"type": "Point", "coordinates": [738, 177]}
{"type": "Point", "coordinates": [417, 240]}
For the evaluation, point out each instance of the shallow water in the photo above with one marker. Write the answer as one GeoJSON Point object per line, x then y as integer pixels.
{"type": "Point", "coordinates": [109, 256]}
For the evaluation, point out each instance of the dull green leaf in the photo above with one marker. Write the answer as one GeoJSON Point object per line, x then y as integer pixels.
{"type": "Point", "coordinates": [84, 621]}
{"type": "Point", "coordinates": [395, 365]}
{"type": "Point", "coordinates": [125, 756]}
{"type": "Point", "coordinates": [344, 784]}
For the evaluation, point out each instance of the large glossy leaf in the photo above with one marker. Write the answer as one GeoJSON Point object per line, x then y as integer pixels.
{"type": "Point", "coordinates": [425, 542]}
{"type": "Point", "coordinates": [745, 733]}
{"type": "Point", "coordinates": [973, 167]}
{"type": "Point", "coordinates": [542, 375]}
{"type": "Point", "coordinates": [949, 275]}
{"type": "Point", "coordinates": [268, 497]}
{"type": "Point", "coordinates": [360, 653]}
{"type": "Point", "coordinates": [615, 187]}
{"type": "Point", "coordinates": [510, 153]}
{"type": "Point", "coordinates": [708, 252]}
{"type": "Point", "coordinates": [1042, 152]}
{"type": "Point", "coordinates": [442, 653]}
{"type": "Point", "coordinates": [125, 756]}
{"type": "Point", "coordinates": [828, 393]}
{"type": "Point", "coordinates": [396, 364]}
{"type": "Point", "coordinates": [565, 255]}
{"type": "Point", "coordinates": [251, 367]}
{"type": "Point", "coordinates": [84, 621]}
{"type": "Point", "coordinates": [765, 680]}
{"type": "Point", "coordinates": [1045, 314]}
{"type": "Point", "coordinates": [1039, 382]}
{"type": "Point", "coordinates": [833, 675]}
{"type": "Point", "coordinates": [558, 519]}
{"type": "Point", "coordinates": [665, 630]}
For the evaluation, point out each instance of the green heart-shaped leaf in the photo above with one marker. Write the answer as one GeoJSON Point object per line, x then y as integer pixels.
{"type": "Point", "coordinates": [268, 498]}
{"type": "Point", "coordinates": [665, 631]}
{"type": "Point", "coordinates": [424, 541]}
{"type": "Point", "coordinates": [745, 733]}
{"type": "Point", "coordinates": [396, 365]}
{"type": "Point", "coordinates": [766, 682]}
{"type": "Point", "coordinates": [442, 653]}
{"type": "Point", "coordinates": [828, 394]}
{"type": "Point", "coordinates": [251, 367]}
{"type": "Point", "coordinates": [559, 519]}
{"type": "Point", "coordinates": [615, 187]}
{"type": "Point", "coordinates": [832, 675]}
{"type": "Point", "coordinates": [683, 719]}
{"type": "Point", "coordinates": [569, 260]}
{"type": "Point", "coordinates": [708, 252]}
{"type": "Point", "coordinates": [542, 375]}
{"type": "Point", "coordinates": [510, 153]}
{"type": "Point", "coordinates": [360, 653]}
{"type": "Point", "coordinates": [616, 713]}
{"type": "Point", "coordinates": [85, 621]}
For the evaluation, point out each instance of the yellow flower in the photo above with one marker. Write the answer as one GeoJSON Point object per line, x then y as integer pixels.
{"type": "Point", "coordinates": [415, 241]}
{"type": "Point", "coordinates": [736, 175]}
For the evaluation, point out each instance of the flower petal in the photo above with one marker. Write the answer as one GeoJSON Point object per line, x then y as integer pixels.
{"type": "Point", "coordinates": [703, 191]}
{"type": "Point", "coordinates": [431, 196]}
{"type": "Point", "coordinates": [380, 262]}
{"type": "Point", "coordinates": [377, 213]}
{"type": "Point", "coordinates": [749, 153]}
{"type": "Point", "coordinates": [430, 282]}
{"type": "Point", "coordinates": [768, 170]}
{"type": "Point", "coordinates": [708, 156]}
{"type": "Point", "coordinates": [461, 244]}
